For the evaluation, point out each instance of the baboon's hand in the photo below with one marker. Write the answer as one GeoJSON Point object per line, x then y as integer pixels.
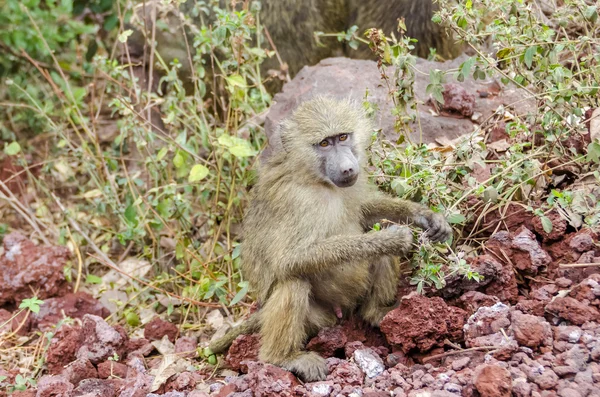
{"type": "Point", "coordinates": [402, 237]}
{"type": "Point", "coordinates": [435, 225]}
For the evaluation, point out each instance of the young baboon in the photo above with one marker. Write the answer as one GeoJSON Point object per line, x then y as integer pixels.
{"type": "Point", "coordinates": [308, 252]}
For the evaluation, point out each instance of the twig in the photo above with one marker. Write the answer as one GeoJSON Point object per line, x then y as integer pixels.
{"type": "Point", "coordinates": [567, 265]}
{"type": "Point", "coordinates": [454, 352]}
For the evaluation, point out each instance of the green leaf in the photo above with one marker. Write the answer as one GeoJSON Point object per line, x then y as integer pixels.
{"type": "Point", "coordinates": [131, 215]}
{"type": "Point", "coordinates": [236, 146]}
{"type": "Point", "coordinates": [123, 36]}
{"type": "Point", "coordinates": [93, 279]}
{"type": "Point", "coordinates": [241, 293]}
{"type": "Point", "coordinates": [528, 57]}
{"type": "Point", "coordinates": [12, 148]}
{"type": "Point", "coordinates": [197, 173]}
{"type": "Point", "coordinates": [236, 80]}
{"type": "Point", "coordinates": [593, 152]}
{"type": "Point", "coordinates": [546, 224]}
{"type": "Point", "coordinates": [456, 218]}
{"type": "Point", "coordinates": [33, 304]}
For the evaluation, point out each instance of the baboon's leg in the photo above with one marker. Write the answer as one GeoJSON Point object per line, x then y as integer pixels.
{"type": "Point", "coordinates": [284, 319]}
{"type": "Point", "coordinates": [382, 294]}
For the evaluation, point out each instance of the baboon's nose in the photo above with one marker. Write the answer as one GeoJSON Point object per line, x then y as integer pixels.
{"type": "Point", "coordinates": [348, 171]}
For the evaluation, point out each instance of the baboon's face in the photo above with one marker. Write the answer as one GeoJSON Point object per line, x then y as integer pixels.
{"type": "Point", "coordinates": [338, 161]}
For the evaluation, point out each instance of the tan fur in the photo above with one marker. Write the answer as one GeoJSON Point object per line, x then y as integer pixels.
{"type": "Point", "coordinates": [306, 245]}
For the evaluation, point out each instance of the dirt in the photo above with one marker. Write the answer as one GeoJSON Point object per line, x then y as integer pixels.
{"type": "Point", "coordinates": [531, 328]}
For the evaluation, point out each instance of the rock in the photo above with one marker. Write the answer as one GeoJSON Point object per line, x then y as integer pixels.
{"type": "Point", "coordinates": [566, 333]}
{"type": "Point", "coordinates": [344, 372]}
{"type": "Point", "coordinates": [54, 386]}
{"type": "Point", "coordinates": [545, 378]}
{"type": "Point", "coordinates": [95, 388]}
{"type": "Point", "coordinates": [492, 381]}
{"type": "Point", "coordinates": [25, 268]}
{"type": "Point", "coordinates": [109, 369]}
{"type": "Point", "coordinates": [530, 331]}
{"type": "Point", "coordinates": [328, 341]}
{"type": "Point", "coordinates": [243, 348]}
{"type": "Point", "coordinates": [522, 248]}
{"type": "Point", "coordinates": [157, 328]}
{"type": "Point", "coordinates": [581, 242]}
{"type": "Point", "coordinates": [140, 346]}
{"type": "Point", "coordinates": [473, 300]}
{"type": "Point", "coordinates": [369, 362]}
{"type": "Point", "coordinates": [588, 289]}
{"type": "Point", "coordinates": [576, 357]}
{"type": "Point", "coordinates": [521, 388]}
{"type": "Point", "coordinates": [423, 323]}
{"type": "Point", "coordinates": [185, 346]}
{"type": "Point", "coordinates": [458, 99]}
{"type": "Point", "coordinates": [73, 305]}
{"type": "Point", "coordinates": [63, 348]}
{"type": "Point", "coordinates": [460, 363]}
{"type": "Point", "coordinates": [342, 77]}
{"type": "Point", "coordinates": [485, 265]}
{"type": "Point", "coordinates": [20, 323]}
{"type": "Point", "coordinates": [532, 306]}
{"type": "Point", "coordinates": [79, 370]}
{"type": "Point", "coordinates": [268, 380]}
{"type": "Point", "coordinates": [559, 226]}
{"type": "Point", "coordinates": [572, 310]}
{"type": "Point", "coordinates": [487, 321]}
{"type": "Point", "coordinates": [138, 385]}
{"type": "Point", "coordinates": [100, 340]}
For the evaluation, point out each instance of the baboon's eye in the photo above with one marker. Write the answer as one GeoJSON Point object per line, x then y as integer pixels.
{"type": "Point", "coordinates": [324, 143]}
{"type": "Point", "coordinates": [343, 137]}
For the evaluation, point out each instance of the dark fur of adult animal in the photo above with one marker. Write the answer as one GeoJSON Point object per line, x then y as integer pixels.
{"type": "Point", "coordinates": [291, 25]}
{"type": "Point", "coordinates": [308, 250]}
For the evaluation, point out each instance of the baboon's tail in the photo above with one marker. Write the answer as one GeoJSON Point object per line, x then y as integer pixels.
{"type": "Point", "coordinates": [249, 326]}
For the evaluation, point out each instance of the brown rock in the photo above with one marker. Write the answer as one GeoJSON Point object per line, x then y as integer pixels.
{"type": "Point", "coordinates": [100, 340]}
{"type": "Point", "coordinates": [485, 265]}
{"type": "Point", "coordinates": [340, 77]}
{"type": "Point", "coordinates": [328, 341]}
{"type": "Point", "coordinates": [531, 306]}
{"type": "Point", "coordinates": [530, 331]}
{"type": "Point", "coordinates": [63, 348]}
{"type": "Point", "coordinates": [588, 289]}
{"type": "Point", "coordinates": [79, 370]}
{"type": "Point", "coordinates": [473, 300]}
{"type": "Point", "coordinates": [581, 241]}
{"type": "Point", "coordinates": [458, 100]}
{"type": "Point", "coordinates": [95, 388]}
{"type": "Point", "coordinates": [269, 380]}
{"type": "Point", "coordinates": [25, 268]}
{"type": "Point", "coordinates": [344, 372]}
{"type": "Point", "coordinates": [71, 305]}
{"type": "Point", "coordinates": [54, 386]}
{"type": "Point", "coordinates": [572, 310]}
{"type": "Point", "coordinates": [492, 381]}
{"type": "Point", "coordinates": [20, 323]}
{"type": "Point", "coordinates": [422, 322]}
{"type": "Point", "coordinates": [112, 369]}
{"type": "Point", "coordinates": [244, 347]}
{"type": "Point", "coordinates": [185, 346]}
{"type": "Point", "coordinates": [140, 346]}
{"type": "Point", "coordinates": [559, 226]}
{"type": "Point", "coordinates": [157, 328]}
{"type": "Point", "coordinates": [522, 248]}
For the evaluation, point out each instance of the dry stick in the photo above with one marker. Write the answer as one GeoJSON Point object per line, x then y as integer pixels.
{"type": "Point", "coordinates": [454, 352]}
{"type": "Point", "coordinates": [563, 265]}
{"type": "Point", "coordinates": [22, 210]}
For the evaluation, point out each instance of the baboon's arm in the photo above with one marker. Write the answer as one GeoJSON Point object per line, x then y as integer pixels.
{"type": "Point", "coordinates": [338, 250]}
{"type": "Point", "coordinates": [404, 211]}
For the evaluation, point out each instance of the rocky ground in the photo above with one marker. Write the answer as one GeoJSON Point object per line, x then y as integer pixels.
{"type": "Point", "coordinates": [530, 328]}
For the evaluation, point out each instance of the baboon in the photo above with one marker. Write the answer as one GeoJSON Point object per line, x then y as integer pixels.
{"type": "Point", "coordinates": [308, 251]}
{"type": "Point", "coordinates": [291, 25]}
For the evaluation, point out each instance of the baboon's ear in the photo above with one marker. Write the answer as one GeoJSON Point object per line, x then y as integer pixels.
{"type": "Point", "coordinates": [278, 141]}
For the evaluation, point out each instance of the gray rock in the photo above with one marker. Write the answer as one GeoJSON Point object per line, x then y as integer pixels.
{"type": "Point", "coordinates": [343, 77]}
{"type": "Point", "coordinates": [369, 362]}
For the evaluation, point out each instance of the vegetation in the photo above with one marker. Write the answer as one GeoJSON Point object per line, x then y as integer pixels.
{"type": "Point", "coordinates": [112, 182]}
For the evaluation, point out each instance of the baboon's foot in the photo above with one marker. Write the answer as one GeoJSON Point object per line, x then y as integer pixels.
{"type": "Point", "coordinates": [309, 367]}
{"type": "Point", "coordinates": [374, 314]}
